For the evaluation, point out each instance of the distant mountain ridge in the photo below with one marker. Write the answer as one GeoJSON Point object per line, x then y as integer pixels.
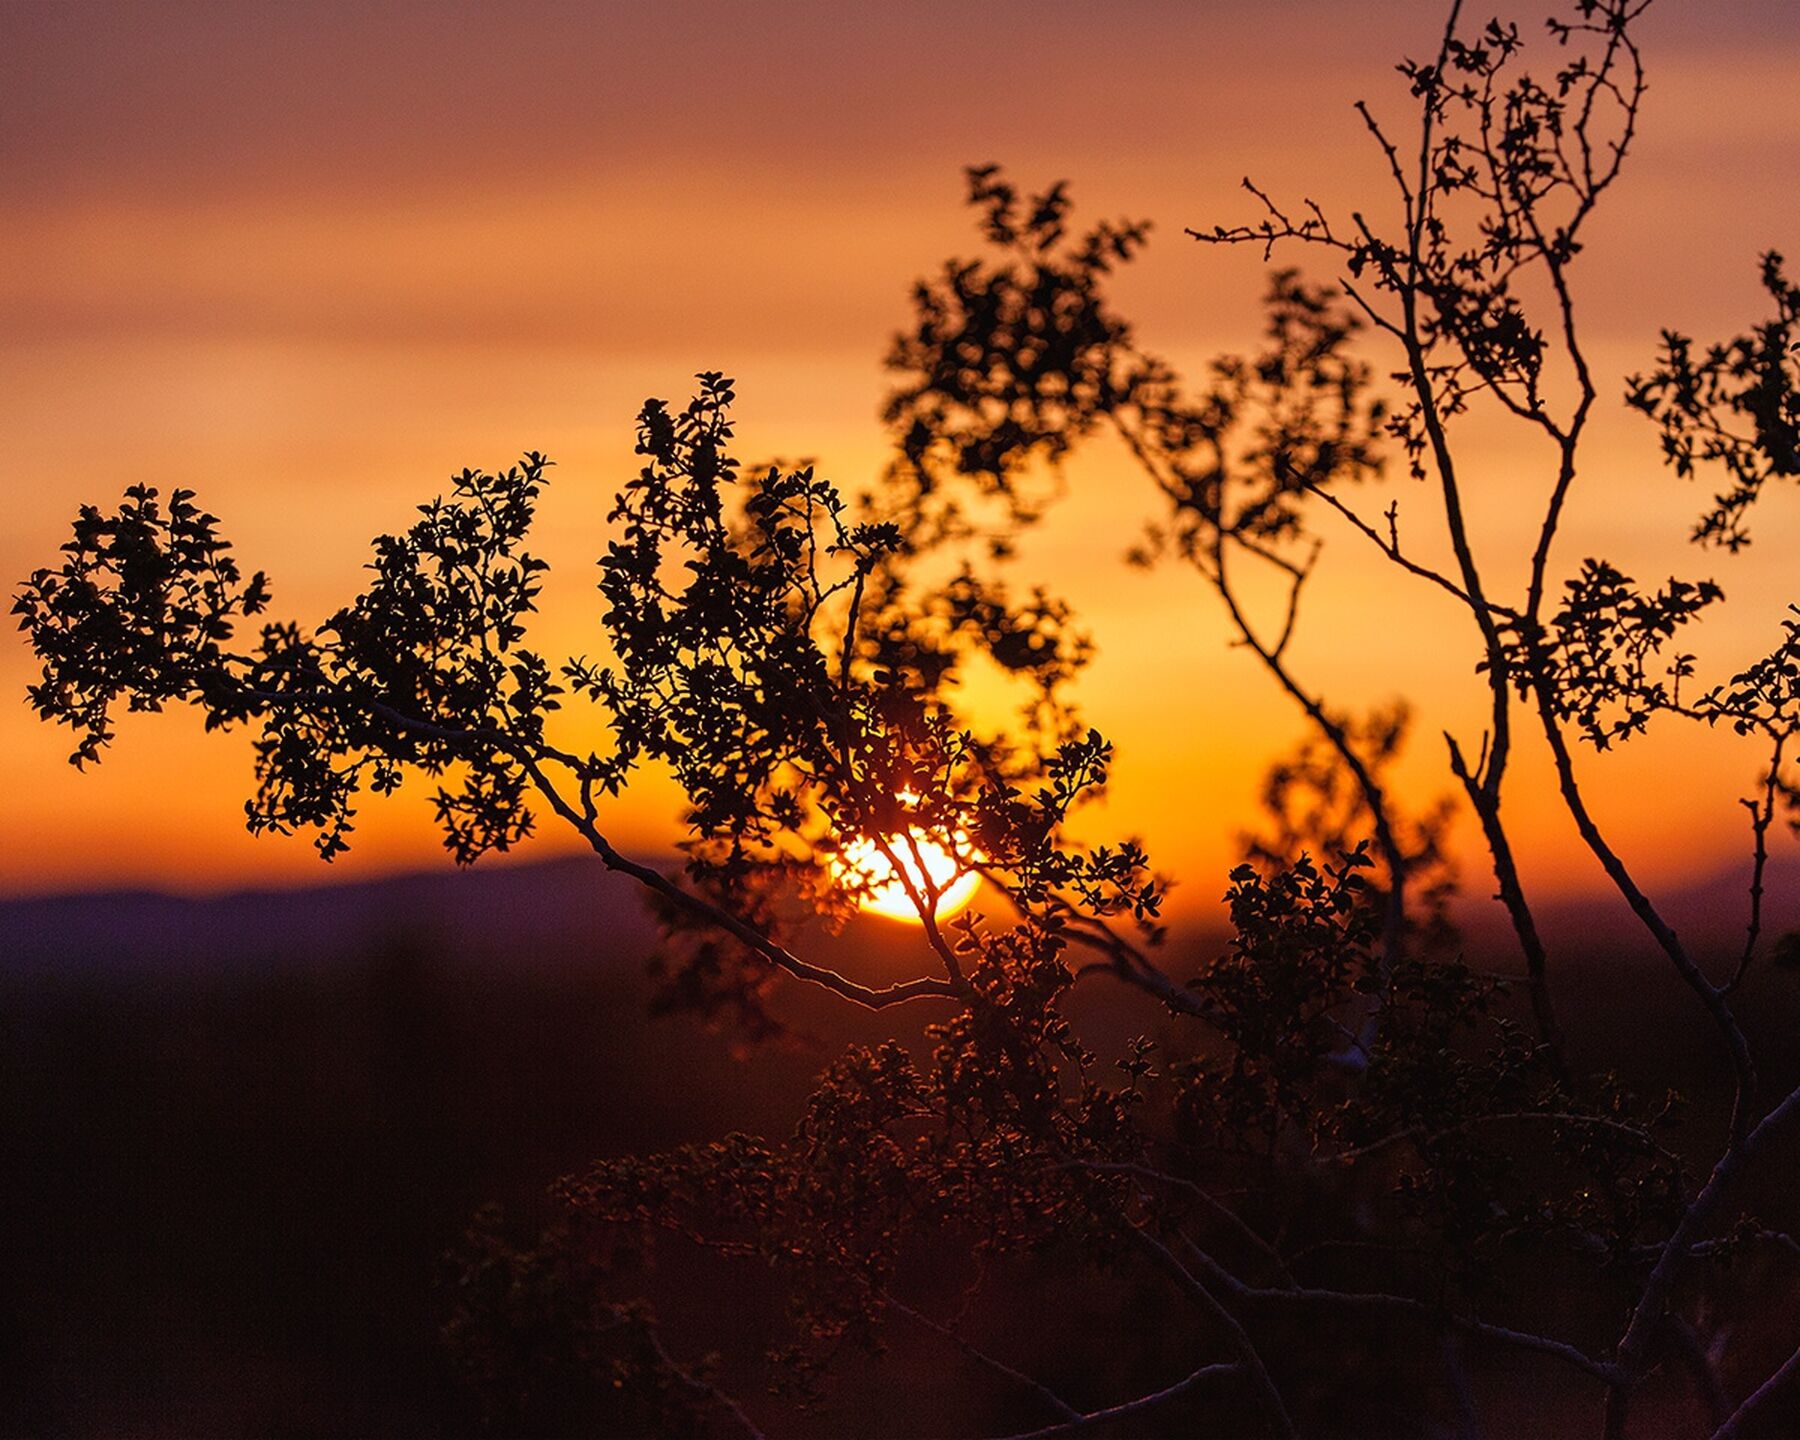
{"type": "Point", "coordinates": [552, 908]}
{"type": "Point", "coordinates": [558, 909]}
{"type": "Point", "coordinates": [1710, 913]}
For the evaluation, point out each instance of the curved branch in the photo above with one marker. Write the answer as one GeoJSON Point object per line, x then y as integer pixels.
{"type": "Point", "coordinates": [1713, 997]}
{"type": "Point", "coordinates": [1375, 1300]}
{"type": "Point", "coordinates": [1208, 1303]}
{"type": "Point", "coordinates": [1131, 1407]}
{"type": "Point", "coordinates": [1557, 1117]}
{"type": "Point", "coordinates": [1238, 1225]}
{"type": "Point", "coordinates": [1761, 817]}
{"type": "Point", "coordinates": [1061, 1406]}
{"type": "Point", "coordinates": [1126, 962]}
{"type": "Point", "coordinates": [1634, 1347]}
{"type": "Point", "coordinates": [1390, 547]}
{"type": "Point", "coordinates": [529, 756]}
{"type": "Point", "coordinates": [752, 938]}
{"type": "Point", "coordinates": [1735, 1424]}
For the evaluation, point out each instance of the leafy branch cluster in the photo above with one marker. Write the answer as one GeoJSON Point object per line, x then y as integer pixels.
{"type": "Point", "coordinates": [1599, 652]}
{"type": "Point", "coordinates": [1737, 405]}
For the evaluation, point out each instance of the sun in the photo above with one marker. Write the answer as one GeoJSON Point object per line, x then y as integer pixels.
{"type": "Point", "coordinates": [955, 882]}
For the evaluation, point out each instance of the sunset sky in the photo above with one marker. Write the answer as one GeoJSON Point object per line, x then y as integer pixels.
{"type": "Point", "coordinates": [309, 260]}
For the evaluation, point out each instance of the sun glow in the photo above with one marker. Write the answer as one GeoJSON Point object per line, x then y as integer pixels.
{"type": "Point", "coordinates": [926, 864]}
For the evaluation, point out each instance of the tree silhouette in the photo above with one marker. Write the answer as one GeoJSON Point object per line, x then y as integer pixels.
{"type": "Point", "coordinates": [1347, 1082]}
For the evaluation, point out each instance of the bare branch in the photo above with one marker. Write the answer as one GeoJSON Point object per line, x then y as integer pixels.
{"type": "Point", "coordinates": [1235, 1222]}
{"type": "Point", "coordinates": [701, 909]}
{"type": "Point", "coordinates": [1164, 1259]}
{"type": "Point", "coordinates": [1634, 1133]}
{"type": "Point", "coordinates": [981, 1357]}
{"type": "Point", "coordinates": [1364, 1300]}
{"type": "Point", "coordinates": [1735, 1425]}
{"type": "Point", "coordinates": [1712, 997]}
{"type": "Point", "coordinates": [1679, 1248]}
{"type": "Point", "coordinates": [1131, 1407]}
{"type": "Point", "coordinates": [1390, 547]}
{"type": "Point", "coordinates": [1761, 817]}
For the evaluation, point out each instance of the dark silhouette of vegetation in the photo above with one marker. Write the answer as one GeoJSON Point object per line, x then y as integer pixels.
{"type": "Point", "coordinates": [1340, 1083]}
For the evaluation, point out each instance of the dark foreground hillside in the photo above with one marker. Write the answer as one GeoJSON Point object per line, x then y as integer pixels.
{"type": "Point", "coordinates": [237, 1136]}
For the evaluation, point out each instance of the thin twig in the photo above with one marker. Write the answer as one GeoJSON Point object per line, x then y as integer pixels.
{"type": "Point", "coordinates": [1761, 817]}
{"type": "Point", "coordinates": [1164, 1259]}
{"type": "Point", "coordinates": [1555, 1117]}
{"type": "Point", "coordinates": [1404, 1304]}
{"type": "Point", "coordinates": [1230, 1217]}
{"type": "Point", "coordinates": [1131, 1407]}
{"type": "Point", "coordinates": [981, 1357]}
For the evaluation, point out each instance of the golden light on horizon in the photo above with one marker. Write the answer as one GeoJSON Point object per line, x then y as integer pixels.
{"type": "Point", "coordinates": [929, 869]}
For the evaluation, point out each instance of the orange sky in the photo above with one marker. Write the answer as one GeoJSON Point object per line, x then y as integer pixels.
{"type": "Point", "coordinates": [310, 259]}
